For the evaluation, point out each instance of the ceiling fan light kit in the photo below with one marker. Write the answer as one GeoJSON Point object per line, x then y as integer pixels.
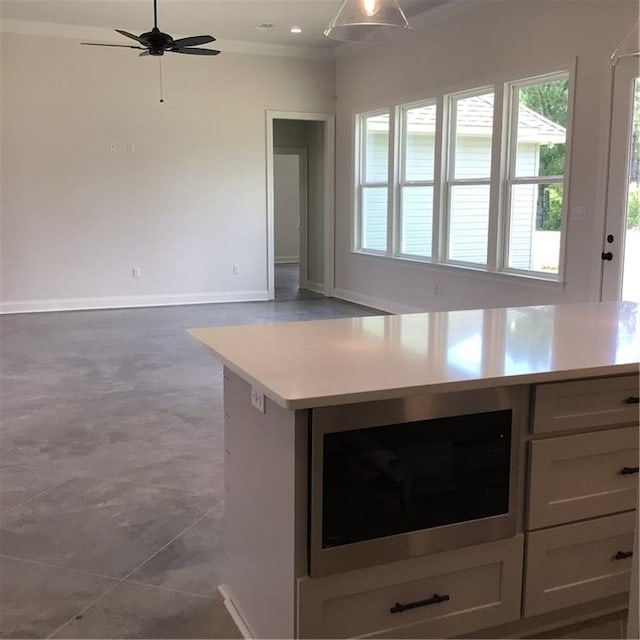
{"type": "Point", "coordinates": [368, 21]}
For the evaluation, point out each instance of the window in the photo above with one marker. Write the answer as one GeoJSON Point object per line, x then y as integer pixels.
{"type": "Point", "coordinates": [418, 127]}
{"type": "Point", "coordinates": [535, 179]}
{"type": "Point", "coordinates": [429, 187]}
{"type": "Point", "coordinates": [374, 183]}
{"type": "Point", "coordinates": [469, 177]}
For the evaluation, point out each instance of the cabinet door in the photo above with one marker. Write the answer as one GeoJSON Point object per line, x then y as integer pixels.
{"type": "Point", "coordinates": [448, 594]}
{"type": "Point", "coordinates": [581, 404]}
{"type": "Point", "coordinates": [578, 562]}
{"type": "Point", "coordinates": [582, 476]}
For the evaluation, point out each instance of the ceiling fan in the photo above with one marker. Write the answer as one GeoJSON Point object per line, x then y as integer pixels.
{"type": "Point", "coordinates": [157, 43]}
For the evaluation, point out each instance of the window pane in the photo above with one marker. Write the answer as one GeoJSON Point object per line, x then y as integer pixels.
{"type": "Point", "coordinates": [535, 227]}
{"type": "Point", "coordinates": [374, 218]}
{"type": "Point", "coordinates": [542, 120]}
{"type": "Point", "coordinates": [469, 223]}
{"type": "Point", "coordinates": [420, 134]}
{"type": "Point", "coordinates": [376, 148]}
{"type": "Point", "coordinates": [474, 131]}
{"type": "Point", "coordinates": [417, 220]}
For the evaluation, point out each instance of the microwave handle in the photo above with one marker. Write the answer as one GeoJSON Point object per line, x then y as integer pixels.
{"type": "Point", "coordinates": [436, 599]}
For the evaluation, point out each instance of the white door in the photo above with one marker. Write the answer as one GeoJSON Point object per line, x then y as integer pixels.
{"type": "Point", "coordinates": [621, 246]}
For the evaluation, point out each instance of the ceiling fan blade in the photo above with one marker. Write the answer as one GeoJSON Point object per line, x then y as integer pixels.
{"type": "Point", "coordinates": [196, 52]}
{"type": "Point", "coordinates": [129, 35]}
{"type": "Point", "coordinates": [192, 41]}
{"type": "Point", "coordinates": [99, 44]}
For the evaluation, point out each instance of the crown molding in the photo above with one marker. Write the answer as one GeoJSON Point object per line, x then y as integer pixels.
{"type": "Point", "coordinates": [83, 32]}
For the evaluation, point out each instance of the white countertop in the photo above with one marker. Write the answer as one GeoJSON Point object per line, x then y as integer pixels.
{"type": "Point", "coordinates": [326, 362]}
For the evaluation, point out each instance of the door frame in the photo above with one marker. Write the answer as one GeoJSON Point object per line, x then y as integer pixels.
{"type": "Point", "coordinates": [623, 74]}
{"type": "Point", "coordinates": [329, 180]}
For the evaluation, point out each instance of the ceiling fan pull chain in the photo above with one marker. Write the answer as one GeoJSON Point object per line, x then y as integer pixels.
{"type": "Point", "coordinates": [161, 87]}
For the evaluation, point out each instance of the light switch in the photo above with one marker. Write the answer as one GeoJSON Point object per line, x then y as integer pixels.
{"type": "Point", "coordinates": [578, 214]}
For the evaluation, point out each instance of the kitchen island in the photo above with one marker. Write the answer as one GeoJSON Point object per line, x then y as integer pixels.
{"type": "Point", "coordinates": [572, 371]}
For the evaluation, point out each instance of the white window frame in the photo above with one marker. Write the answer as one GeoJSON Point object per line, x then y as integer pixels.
{"type": "Point", "coordinates": [511, 180]}
{"type": "Point", "coordinates": [449, 180]}
{"type": "Point", "coordinates": [402, 175]}
{"type": "Point", "coordinates": [361, 184]}
{"type": "Point", "coordinates": [500, 181]}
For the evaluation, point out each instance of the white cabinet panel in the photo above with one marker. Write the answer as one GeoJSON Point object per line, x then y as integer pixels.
{"type": "Point", "coordinates": [481, 583]}
{"type": "Point", "coordinates": [582, 476]}
{"type": "Point", "coordinates": [578, 562]}
{"type": "Point", "coordinates": [582, 404]}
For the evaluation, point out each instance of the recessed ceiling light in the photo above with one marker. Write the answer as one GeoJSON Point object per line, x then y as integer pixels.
{"type": "Point", "coordinates": [295, 30]}
{"type": "Point", "coordinates": [264, 26]}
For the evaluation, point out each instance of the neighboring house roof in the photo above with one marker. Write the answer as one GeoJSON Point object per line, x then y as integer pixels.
{"type": "Point", "coordinates": [475, 118]}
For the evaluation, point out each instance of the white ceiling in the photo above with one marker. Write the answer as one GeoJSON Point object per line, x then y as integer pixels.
{"type": "Point", "coordinates": [227, 20]}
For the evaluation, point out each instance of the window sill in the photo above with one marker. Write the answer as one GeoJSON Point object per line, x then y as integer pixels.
{"type": "Point", "coordinates": [470, 271]}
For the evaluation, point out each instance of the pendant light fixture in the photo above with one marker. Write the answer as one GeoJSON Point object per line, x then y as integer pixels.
{"type": "Point", "coordinates": [368, 21]}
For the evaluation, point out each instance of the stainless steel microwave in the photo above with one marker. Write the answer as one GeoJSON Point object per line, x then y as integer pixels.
{"type": "Point", "coordinates": [395, 479]}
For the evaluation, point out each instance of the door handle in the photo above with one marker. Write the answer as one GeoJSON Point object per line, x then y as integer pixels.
{"type": "Point", "coordinates": [632, 400]}
{"type": "Point", "coordinates": [621, 555]}
{"type": "Point", "coordinates": [607, 255]}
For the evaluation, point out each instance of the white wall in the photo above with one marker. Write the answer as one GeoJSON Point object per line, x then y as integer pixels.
{"type": "Point", "coordinates": [492, 41]}
{"type": "Point", "coordinates": [184, 207]}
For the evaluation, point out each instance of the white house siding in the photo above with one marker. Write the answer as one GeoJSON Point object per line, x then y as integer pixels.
{"type": "Point", "coordinates": [374, 199]}
{"type": "Point", "coordinates": [374, 218]}
{"type": "Point", "coordinates": [524, 200]}
{"type": "Point", "coordinates": [469, 204]}
{"type": "Point", "coordinates": [417, 201]}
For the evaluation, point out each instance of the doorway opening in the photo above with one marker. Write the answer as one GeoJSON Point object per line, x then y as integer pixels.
{"type": "Point", "coordinates": [300, 205]}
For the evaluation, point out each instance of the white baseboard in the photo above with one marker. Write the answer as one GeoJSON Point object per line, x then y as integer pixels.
{"type": "Point", "coordinates": [234, 613]}
{"type": "Point", "coordinates": [375, 303]}
{"type": "Point", "coordinates": [316, 287]}
{"type": "Point", "coordinates": [287, 259]}
{"type": "Point", "coordinates": [120, 302]}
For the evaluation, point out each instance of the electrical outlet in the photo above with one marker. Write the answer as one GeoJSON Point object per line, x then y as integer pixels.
{"type": "Point", "coordinates": [236, 269]}
{"type": "Point", "coordinates": [135, 272]}
{"type": "Point", "coordinates": [113, 146]}
{"type": "Point", "coordinates": [257, 400]}
{"type": "Point", "coordinates": [131, 147]}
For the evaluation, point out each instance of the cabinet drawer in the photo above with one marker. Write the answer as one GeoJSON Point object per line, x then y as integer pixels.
{"type": "Point", "coordinates": [482, 583]}
{"type": "Point", "coordinates": [576, 563]}
{"type": "Point", "coordinates": [562, 406]}
{"type": "Point", "coordinates": [582, 476]}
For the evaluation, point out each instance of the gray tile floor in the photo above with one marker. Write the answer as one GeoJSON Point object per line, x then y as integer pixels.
{"type": "Point", "coordinates": [111, 477]}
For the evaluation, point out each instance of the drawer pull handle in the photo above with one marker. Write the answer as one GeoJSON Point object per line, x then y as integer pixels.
{"type": "Point", "coordinates": [627, 471]}
{"type": "Point", "coordinates": [632, 400]}
{"type": "Point", "coordinates": [621, 555]}
{"type": "Point", "coordinates": [399, 608]}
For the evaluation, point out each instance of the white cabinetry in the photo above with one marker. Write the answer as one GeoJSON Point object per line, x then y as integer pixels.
{"type": "Point", "coordinates": [582, 492]}
{"type": "Point", "coordinates": [582, 476]}
{"type": "Point", "coordinates": [574, 563]}
{"type": "Point", "coordinates": [434, 596]}
{"type": "Point", "coordinates": [574, 535]}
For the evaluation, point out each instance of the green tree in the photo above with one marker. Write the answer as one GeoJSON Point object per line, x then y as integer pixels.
{"type": "Point", "coordinates": [549, 99]}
